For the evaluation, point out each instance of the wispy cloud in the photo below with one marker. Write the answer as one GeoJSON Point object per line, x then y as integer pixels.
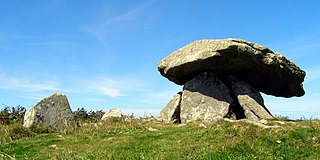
{"type": "Point", "coordinates": [313, 75]}
{"type": "Point", "coordinates": [28, 89]}
{"type": "Point", "coordinates": [159, 98]}
{"type": "Point", "coordinates": [20, 84]}
{"type": "Point", "coordinates": [297, 47]}
{"type": "Point", "coordinates": [295, 107]}
{"type": "Point", "coordinates": [109, 25]}
{"type": "Point", "coordinates": [113, 87]}
{"type": "Point", "coordinates": [34, 96]}
{"type": "Point", "coordinates": [9, 40]}
{"type": "Point", "coordinates": [107, 87]}
{"type": "Point", "coordinates": [52, 43]}
{"type": "Point", "coordinates": [130, 14]}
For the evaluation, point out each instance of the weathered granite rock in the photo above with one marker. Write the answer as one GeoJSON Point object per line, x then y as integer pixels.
{"type": "Point", "coordinates": [205, 98]}
{"type": "Point", "coordinates": [111, 113]}
{"type": "Point", "coordinates": [249, 100]}
{"type": "Point", "coordinates": [268, 72]}
{"type": "Point", "coordinates": [53, 111]}
{"type": "Point", "coordinates": [171, 113]}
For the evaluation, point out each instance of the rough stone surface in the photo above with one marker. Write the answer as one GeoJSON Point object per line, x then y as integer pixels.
{"type": "Point", "coordinates": [249, 99]}
{"type": "Point", "coordinates": [111, 113]}
{"type": "Point", "coordinates": [171, 113]}
{"type": "Point", "coordinates": [205, 98]}
{"type": "Point", "coordinates": [53, 111]}
{"type": "Point", "coordinates": [268, 72]}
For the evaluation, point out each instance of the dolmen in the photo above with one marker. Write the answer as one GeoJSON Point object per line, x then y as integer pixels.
{"type": "Point", "coordinates": [224, 78]}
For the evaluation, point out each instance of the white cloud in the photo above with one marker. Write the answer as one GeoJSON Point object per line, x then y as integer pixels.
{"type": "Point", "coordinates": [160, 98]}
{"type": "Point", "coordinates": [109, 91]}
{"type": "Point", "coordinates": [130, 14]}
{"type": "Point", "coordinates": [106, 86]}
{"type": "Point", "coordinates": [296, 107]}
{"type": "Point", "coordinates": [52, 43]}
{"type": "Point", "coordinates": [113, 87]}
{"type": "Point", "coordinates": [109, 25]}
{"type": "Point", "coordinates": [313, 75]}
{"type": "Point", "coordinates": [297, 47]}
{"type": "Point", "coordinates": [22, 84]}
{"type": "Point", "coordinates": [34, 96]}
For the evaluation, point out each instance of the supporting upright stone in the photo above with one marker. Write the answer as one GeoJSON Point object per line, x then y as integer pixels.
{"type": "Point", "coordinates": [171, 113]}
{"type": "Point", "coordinates": [53, 111]}
{"type": "Point", "coordinates": [250, 100]}
{"type": "Point", "coordinates": [205, 98]}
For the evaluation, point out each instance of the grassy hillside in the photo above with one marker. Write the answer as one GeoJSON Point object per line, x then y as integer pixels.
{"type": "Point", "coordinates": [140, 139]}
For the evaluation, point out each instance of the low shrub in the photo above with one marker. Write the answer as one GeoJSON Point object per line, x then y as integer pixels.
{"type": "Point", "coordinates": [10, 114]}
{"type": "Point", "coordinates": [83, 116]}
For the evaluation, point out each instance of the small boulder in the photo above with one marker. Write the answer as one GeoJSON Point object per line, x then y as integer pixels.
{"type": "Point", "coordinates": [111, 113]}
{"type": "Point", "coordinates": [53, 111]}
{"type": "Point", "coordinates": [152, 129]}
{"type": "Point", "coordinates": [205, 98]}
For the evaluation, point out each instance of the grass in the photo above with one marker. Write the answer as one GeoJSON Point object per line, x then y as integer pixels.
{"type": "Point", "coordinates": [133, 140]}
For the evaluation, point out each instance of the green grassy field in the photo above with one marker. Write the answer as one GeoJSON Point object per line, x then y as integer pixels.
{"type": "Point", "coordinates": [139, 139]}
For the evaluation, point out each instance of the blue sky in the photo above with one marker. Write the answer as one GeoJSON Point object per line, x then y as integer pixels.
{"type": "Point", "coordinates": [103, 54]}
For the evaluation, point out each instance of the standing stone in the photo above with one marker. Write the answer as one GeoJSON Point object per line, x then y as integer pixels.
{"type": "Point", "coordinates": [171, 113]}
{"type": "Point", "coordinates": [250, 100]}
{"type": "Point", "coordinates": [111, 113]}
{"type": "Point", "coordinates": [205, 98]}
{"type": "Point", "coordinates": [53, 111]}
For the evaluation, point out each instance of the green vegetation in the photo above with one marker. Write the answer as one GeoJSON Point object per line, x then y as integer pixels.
{"type": "Point", "coordinates": [138, 139]}
{"type": "Point", "coordinates": [10, 115]}
{"type": "Point", "coordinates": [83, 116]}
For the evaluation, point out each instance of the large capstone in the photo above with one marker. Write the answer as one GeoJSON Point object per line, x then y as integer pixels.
{"type": "Point", "coordinates": [265, 70]}
{"type": "Point", "coordinates": [53, 111]}
{"type": "Point", "coordinates": [205, 98]}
